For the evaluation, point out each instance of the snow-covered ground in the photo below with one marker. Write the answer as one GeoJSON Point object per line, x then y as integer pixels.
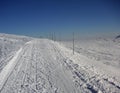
{"type": "Point", "coordinates": [103, 56]}
{"type": "Point", "coordinates": [106, 51]}
{"type": "Point", "coordinates": [9, 44]}
{"type": "Point", "coordinates": [44, 66]}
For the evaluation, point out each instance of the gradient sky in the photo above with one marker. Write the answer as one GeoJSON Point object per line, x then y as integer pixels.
{"type": "Point", "coordinates": [43, 17]}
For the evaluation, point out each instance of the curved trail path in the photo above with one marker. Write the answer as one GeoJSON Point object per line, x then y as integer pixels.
{"type": "Point", "coordinates": [42, 67]}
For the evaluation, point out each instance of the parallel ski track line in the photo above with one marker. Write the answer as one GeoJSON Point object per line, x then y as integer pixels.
{"type": "Point", "coordinates": [8, 76]}
{"type": "Point", "coordinates": [89, 85]}
{"type": "Point", "coordinates": [25, 71]}
{"type": "Point", "coordinates": [19, 70]}
{"type": "Point", "coordinates": [61, 60]}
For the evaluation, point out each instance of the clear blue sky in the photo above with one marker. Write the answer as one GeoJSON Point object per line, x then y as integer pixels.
{"type": "Point", "coordinates": [42, 17]}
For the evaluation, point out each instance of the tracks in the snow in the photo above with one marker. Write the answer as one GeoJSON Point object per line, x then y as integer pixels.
{"type": "Point", "coordinates": [90, 82]}
{"type": "Point", "coordinates": [87, 80]}
{"type": "Point", "coordinates": [44, 68]}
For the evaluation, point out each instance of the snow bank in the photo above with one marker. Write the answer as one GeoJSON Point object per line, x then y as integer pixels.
{"type": "Point", "coordinates": [9, 68]}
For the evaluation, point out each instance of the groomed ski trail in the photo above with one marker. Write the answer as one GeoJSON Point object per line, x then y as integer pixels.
{"type": "Point", "coordinates": [43, 67]}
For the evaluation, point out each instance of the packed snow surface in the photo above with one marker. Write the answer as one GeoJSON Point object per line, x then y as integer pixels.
{"type": "Point", "coordinates": [9, 44]}
{"type": "Point", "coordinates": [44, 66]}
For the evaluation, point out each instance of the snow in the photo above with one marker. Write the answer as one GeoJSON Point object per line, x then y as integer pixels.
{"type": "Point", "coordinates": [102, 56]}
{"type": "Point", "coordinates": [103, 50]}
{"type": "Point", "coordinates": [44, 66]}
{"type": "Point", "coordinates": [9, 44]}
{"type": "Point", "coordinates": [8, 69]}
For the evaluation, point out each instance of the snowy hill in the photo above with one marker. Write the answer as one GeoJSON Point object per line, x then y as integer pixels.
{"type": "Point", "coordinates": [117, 39]}
{"type": "Point", "coordinates": [9, 44]}
{"type": "Point", "coordinates": [45, 66]}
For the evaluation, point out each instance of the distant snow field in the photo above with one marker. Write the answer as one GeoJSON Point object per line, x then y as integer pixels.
{"type": "Point", "coordinates": [30, 65]}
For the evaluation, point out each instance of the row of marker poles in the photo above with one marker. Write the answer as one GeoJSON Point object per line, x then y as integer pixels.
{"type": "Point", "coordinates": [73, 40]}
{"type": "Point", "coordinates": [53, 37]}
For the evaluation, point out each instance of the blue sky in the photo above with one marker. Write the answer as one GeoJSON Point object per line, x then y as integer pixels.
{"type": "Point", "coordinates": [43, 17]}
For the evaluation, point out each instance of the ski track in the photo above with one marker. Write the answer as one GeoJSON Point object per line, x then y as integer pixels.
{"type": "Point", "coordinates": [43, 67]}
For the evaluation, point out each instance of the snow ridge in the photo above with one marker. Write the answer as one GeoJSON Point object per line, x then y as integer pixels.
{"type": "Point", "coordinates": [4, 75]}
